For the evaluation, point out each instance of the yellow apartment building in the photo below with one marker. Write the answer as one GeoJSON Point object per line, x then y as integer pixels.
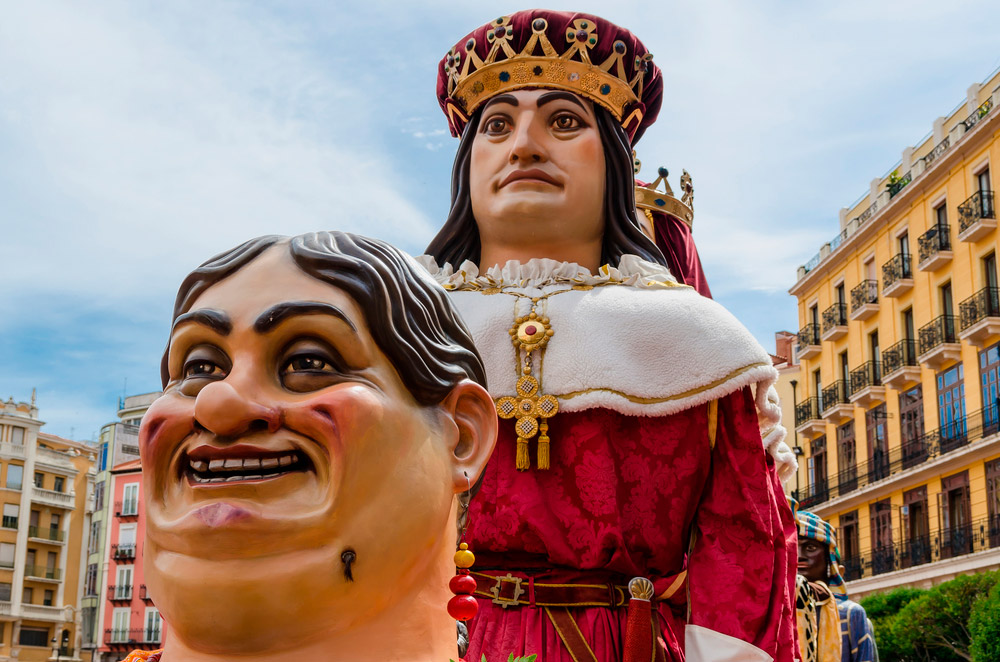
{"type": "Point", "coordinates": [896, 416]}
{"type": "Point", "coordinates": [45, 482]}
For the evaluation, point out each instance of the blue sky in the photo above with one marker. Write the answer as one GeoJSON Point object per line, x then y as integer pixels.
{"type": "Point", "coordinates": [139, 138]}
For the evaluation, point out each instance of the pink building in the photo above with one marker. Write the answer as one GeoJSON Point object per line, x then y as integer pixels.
{"type": "Point", "coordinates": [128, 618]}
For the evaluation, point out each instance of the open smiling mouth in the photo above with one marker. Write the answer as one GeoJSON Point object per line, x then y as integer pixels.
{"type": "Point", "coordinates": [206, 466]}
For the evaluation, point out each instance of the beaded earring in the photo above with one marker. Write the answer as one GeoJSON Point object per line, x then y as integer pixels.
{"type": "Point", "coordinates": [463, 606]}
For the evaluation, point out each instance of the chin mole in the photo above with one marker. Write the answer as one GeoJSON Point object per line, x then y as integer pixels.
{"type": "Point", "coordinates": [348, 557]}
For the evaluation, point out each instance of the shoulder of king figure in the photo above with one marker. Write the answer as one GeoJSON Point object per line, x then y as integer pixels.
{"type": "Point", "coordinates": [638, 350]}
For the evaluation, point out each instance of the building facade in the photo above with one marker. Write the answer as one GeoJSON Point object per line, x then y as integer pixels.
{"type": "Point", "coordinates": [118, 443]}
{"type": "Point", "coordinates": [898, 410]}
{"type": "Point", "coordinates": [45, 485]}
{"type": "Point", "coordinates": [130, 619]}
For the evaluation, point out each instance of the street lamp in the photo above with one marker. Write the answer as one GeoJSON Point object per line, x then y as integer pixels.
{"type": "Point", "coordinates": [797, 450]}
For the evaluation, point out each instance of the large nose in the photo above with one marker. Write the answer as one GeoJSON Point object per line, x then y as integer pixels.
{"type": "Point", "coordinates": [229, 409]}
{"type": "Point", "coordinates": [527, 142]}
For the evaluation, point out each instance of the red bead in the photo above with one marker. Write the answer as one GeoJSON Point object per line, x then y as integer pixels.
{"type": "Point", "coordinates": [463, 607]}
{"type": "Point", "coordinates": [530, 330]}
{"type": "Point", "coordinates": [462, 585]}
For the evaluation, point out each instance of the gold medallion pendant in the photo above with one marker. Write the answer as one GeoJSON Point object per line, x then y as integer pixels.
{"type": "Point", "coordinates": [529, 406]}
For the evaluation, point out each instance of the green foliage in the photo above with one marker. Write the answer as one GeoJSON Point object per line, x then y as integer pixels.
{"type": "Point", "coordinates": [984, 627]}
{"type": "Point", "coordinates": [882, 610]}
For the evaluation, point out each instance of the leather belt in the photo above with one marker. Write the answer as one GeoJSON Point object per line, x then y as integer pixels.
{"type": "Point", "coordinates": [516, 591]}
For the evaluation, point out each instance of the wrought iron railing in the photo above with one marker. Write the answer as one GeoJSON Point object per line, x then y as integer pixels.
{"type": "Point", "coordinates": [835, 315]}
{"type": "Point", "coordinates": [835, 394]}
{"type": "Point", "coordinates": [47, 534]}
{"type": "Point", "coordinates": [940, 331]}
{"type": "Point", "coordinates": [900, 355]}
{"type": "Point", "coordinates": [123, 550]}
{"type": "Point", "coordinates": [935, 240]}
{"type": "Point", "coordinates": [978, 114]}
{"type": "Point", "coordinates": [938, 150]}
{"type": "Point", "coordinates": [127, 508]}
{"type": "Point", "coordinates": [897, 268]}
{"type": "Point", "coordinates": [807, 410]}
{"type": "Point", "coordinates": [864, 293]}
{"type": "Point", "coordinates": [984, 303]}
{"type": "Point", "coordinates": [809, 335]}
{"type": "Point", "coordinates": [868, 374]}
{"type": "Point", "coordinates": [898, 185]}
{"type": "Point", "coordinates": [868, 212]}
{"type": "Point", "coordinates": [119, 592]}
{"type": "Point", "coordinates": [976, 207]}
{"type": "Point", "coordinates": [912, 452]}
{"type": "Point", "coordinates": [42, 572]}
{"type": "Point", "coordinates": [945, 543]}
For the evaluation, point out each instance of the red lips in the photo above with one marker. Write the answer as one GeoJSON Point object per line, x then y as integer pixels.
{"type": "Point", "coordinates": [531, 174]}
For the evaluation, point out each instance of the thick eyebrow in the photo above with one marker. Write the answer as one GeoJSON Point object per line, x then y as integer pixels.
{"type": "Point", "coordinates": [282, 311]}
{"type": "Point", "coordinates": [559, 94]}
{"type": "Point", "coordinates": [502, 98]}
{"type": "Point", "coordinates": [216, 320]}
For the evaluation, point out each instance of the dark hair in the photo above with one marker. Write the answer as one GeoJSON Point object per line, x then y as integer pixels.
{"type": "Point", "coordinates": [458, 239]}
{"type": "Point", "coordinates": [409, 315]}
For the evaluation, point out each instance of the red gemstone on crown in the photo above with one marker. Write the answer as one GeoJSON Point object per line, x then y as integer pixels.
{"type": "Point", "coordinates": [530, 330]}
{"type": "Point", "coordinates": [582, 35]}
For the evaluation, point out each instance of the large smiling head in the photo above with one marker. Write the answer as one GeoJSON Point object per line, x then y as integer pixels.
{"type": "Point", "coordinates": [322, 407]}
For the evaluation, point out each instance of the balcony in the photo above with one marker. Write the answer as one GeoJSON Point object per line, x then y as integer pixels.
{"type": "Point", "coordinates": [9, 450]}
{"type": "Point", "coordinates": [837, 406]}
{"type": "Point", "coordinates": [142, 638]}
{"type": "Point", "coordinates": [53, 498]}
{"type": "Point", "coordinates": [864, 300]}
{"type": "Point", "coordinates": [808, 418]}
{"type": "Point", "coordinates": [866, 385]}
{"type": "Point", "coordinates": [980, 317]}
{"type": "Point", "coordinates": [43, 613]}
{"type": "Point", "coordinates": [126, 509]}
{"type": "Point", "coordinates": [809, 342]}
{"type": "Point", "coordinates": [121, 593]}
{"type": "Point", "coordinates": [143, 594]}
{"type": "Point", "coordinates": [120, 551]}
{"type": "Point", "coordinates": [897, 275]}
{"type": "Point", "coordinates": [900, 368]}
{"type": "Point", "coordinates": [39, 534]}
{"type": "Point", "coordinates": [42, 573]}
{"type": "Point", "coordinates": [976, 216]}
{"type": "Point", "coordinates": [935, 248]}
{"type": "Point", "coordinates": [938, 343]}
{"type": "Point", "coordinates": [835, 322]}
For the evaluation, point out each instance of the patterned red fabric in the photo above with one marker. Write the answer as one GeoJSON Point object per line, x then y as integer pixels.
{"type": "Point", "coordinates": [619, 502]}
{"type": "Point", "coordinates": [144, 656]}
{"type": "Point", "coordinates": [676, 242]}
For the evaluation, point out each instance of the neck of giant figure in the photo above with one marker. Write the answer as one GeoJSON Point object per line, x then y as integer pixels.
{"type": "Point", "coordinates": [404, 625]}
{"type": "Point", "coordinates": [586, 254]}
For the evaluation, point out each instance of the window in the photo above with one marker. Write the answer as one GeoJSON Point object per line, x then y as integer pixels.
{"type": "Point", "coordinates": [28, 595]}
{"type": "Point", "coordinates": [5, 591]}
{"type": "Point", "coordinates": [126, 536]}
{"type": "Point", "coordinates": [33, 518]}
{"type": "Point", "coordinates": [989, 377]}
{"type": "Point", "coordinates": [818, 387]}
{"type": "Point", "coordinates": [873, 351]}
{"type": "Point", "coordinates": [878, 443]}
{"type": "Point", "coordinates": [841, 294]}
{"type": "Point", "coordinates": [95, 537]}
{"type": "Point", "coordinates": [951, 407]}
{"type": "Point", "coordinates": [911, 426]}
{"type": "Point", "coordinates": [849, 546]}
{"type": "Point", "coordinates": [990, 278]}
{"type": "Point", "coordinates": [903, 242]}
{"type": "Point", "coordinates": [817, 467]}
{"type": "Point", "coordinates": [15, 474]}
{"type": "Point", "coordinates": [6, 555]}
{"type": "Point", "coordinates": [908, 327]}
{"type": "Point", "coordinates": [151, 633]}
{"type": "Point", "coordinates": [99, 496]}
{"type": "Point", "coordinates": [47, 599]}
{"type": "Point", "coordinates": [39, 479]}
{"type": "Point", "coordinates": [941, 214]}
{"type": "Point", "coordinates": [847, 457]}
{"type": "Point", "coordinates": [130, 501]}
{"type": "Point", "coordinates": [88, 623]}
{"type": "Point", "coordinates": [50, 565]}
{"type": "Point", "coordinates": [881, 530]}
{"type": "Point", "coordinates": [59, 483]}
{"type": "Point", "coordinates": [10, 512]}
{"type": "Point", "coordinates": [983, 181]}
{"type": "Point", "coordinates": [103, 464]}
{"type": "Point", "coordinates": [34, 637]}
{"type": "Point", "coordinates": [90, 585]}
{"type": "Point", "coordinates": [54, 521]}
{"type": "Point", "coordinates": [119, 625]}
{"type": "Point", "coordinates": [123, 585]}
{"type": "Point", "coordinates": [993, 500]}
{"type": "Point", "coordinates": [17, 435]}
{"type": "Point", "coordinates": [947, 302]}
{"type": "Point", "coordinates": [954, 513]}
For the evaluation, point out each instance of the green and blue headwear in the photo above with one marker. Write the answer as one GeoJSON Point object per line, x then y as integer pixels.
{"type": "Point", "coordinates": [814, 527]}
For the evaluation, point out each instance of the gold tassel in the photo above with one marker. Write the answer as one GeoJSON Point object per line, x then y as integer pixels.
{"type": "Point", "coordinates": [543, 452]}
{"type": "Point", "coordinates": [523, 461]}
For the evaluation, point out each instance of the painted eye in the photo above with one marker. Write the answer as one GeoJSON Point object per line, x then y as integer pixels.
{"type": "Point", "coordinates": [202, 368]}
{"type": "Point", "coordinates": [307, 363]}
{"type": "Point", "coordinates": [566, 122]}
{"type": "Point", "coordinates": [496, 125]}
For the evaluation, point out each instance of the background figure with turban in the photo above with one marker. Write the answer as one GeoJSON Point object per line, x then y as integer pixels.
{"type": "Point", "coordinates": [822, 603]}
{"type": "Point", "coordinates": [636, 473]}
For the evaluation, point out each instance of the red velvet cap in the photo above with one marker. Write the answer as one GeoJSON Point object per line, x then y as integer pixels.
{"type": "Point", "coordinates": [581, 53]}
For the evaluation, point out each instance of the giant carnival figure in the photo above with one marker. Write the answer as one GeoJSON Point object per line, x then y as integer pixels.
{"type": "Point", "coordinates": [632, 509]}
{"type": "Point", "coordinates": [832, 628]}
{"type": "Point", "coordinates": [322, 424]}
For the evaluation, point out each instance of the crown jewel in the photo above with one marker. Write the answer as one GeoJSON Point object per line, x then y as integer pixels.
{"type": "Point", "coordinates": [472, 79]}
{"type": "Point", "coordinates": [650, 198]}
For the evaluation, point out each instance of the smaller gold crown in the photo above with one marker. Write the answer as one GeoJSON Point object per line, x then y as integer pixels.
{"type": "Point", "coordinates": [648, 198]}
{"type": "Point", "coordinates": [472, 80]}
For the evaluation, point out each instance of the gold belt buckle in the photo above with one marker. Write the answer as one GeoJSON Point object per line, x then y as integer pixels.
{"type": "Point", "coordinates": [507, 602]}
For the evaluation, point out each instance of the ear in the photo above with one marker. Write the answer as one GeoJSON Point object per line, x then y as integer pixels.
{"type": "Point", "coordinates": [471, 431]}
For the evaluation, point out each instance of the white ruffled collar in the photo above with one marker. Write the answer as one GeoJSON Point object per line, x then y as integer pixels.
{"type": "Point", "coordinates": [540, 272]}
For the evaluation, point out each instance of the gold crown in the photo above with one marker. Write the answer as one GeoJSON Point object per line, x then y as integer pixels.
{"type": "Point", "coordinates": [472, 80]}
{"type": "Point", "coordinates": [649, 199]}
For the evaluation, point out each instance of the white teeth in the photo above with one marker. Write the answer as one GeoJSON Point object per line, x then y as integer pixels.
{"type": "Point", "coordinates": [215, 465]}
{"type": "Point", "coordinates": [199, 465]}
{"type": "Point", "coordinates": [251, 463]}
{"type": "Point", "coordinates": [234, 464]}
{"type": "Point", "coordinates": [253, 477]}
{"type": "Point", "coordinates": [232, 478]}
{"type": "Point", "coordinates": [269, 463]}
{"type": "Point", "coordinates": [216, 480]}
{"type": "Point", "coordinates": [285, 460]}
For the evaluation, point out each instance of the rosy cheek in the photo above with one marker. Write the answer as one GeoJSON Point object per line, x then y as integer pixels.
{"type": "Point", "coordinates": [336, 417]}
{"type": "Point", "coordinates": [169, 420]}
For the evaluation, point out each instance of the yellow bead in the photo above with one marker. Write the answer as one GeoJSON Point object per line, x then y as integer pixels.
{"type": "Point", "coordinates": [463, 557]}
